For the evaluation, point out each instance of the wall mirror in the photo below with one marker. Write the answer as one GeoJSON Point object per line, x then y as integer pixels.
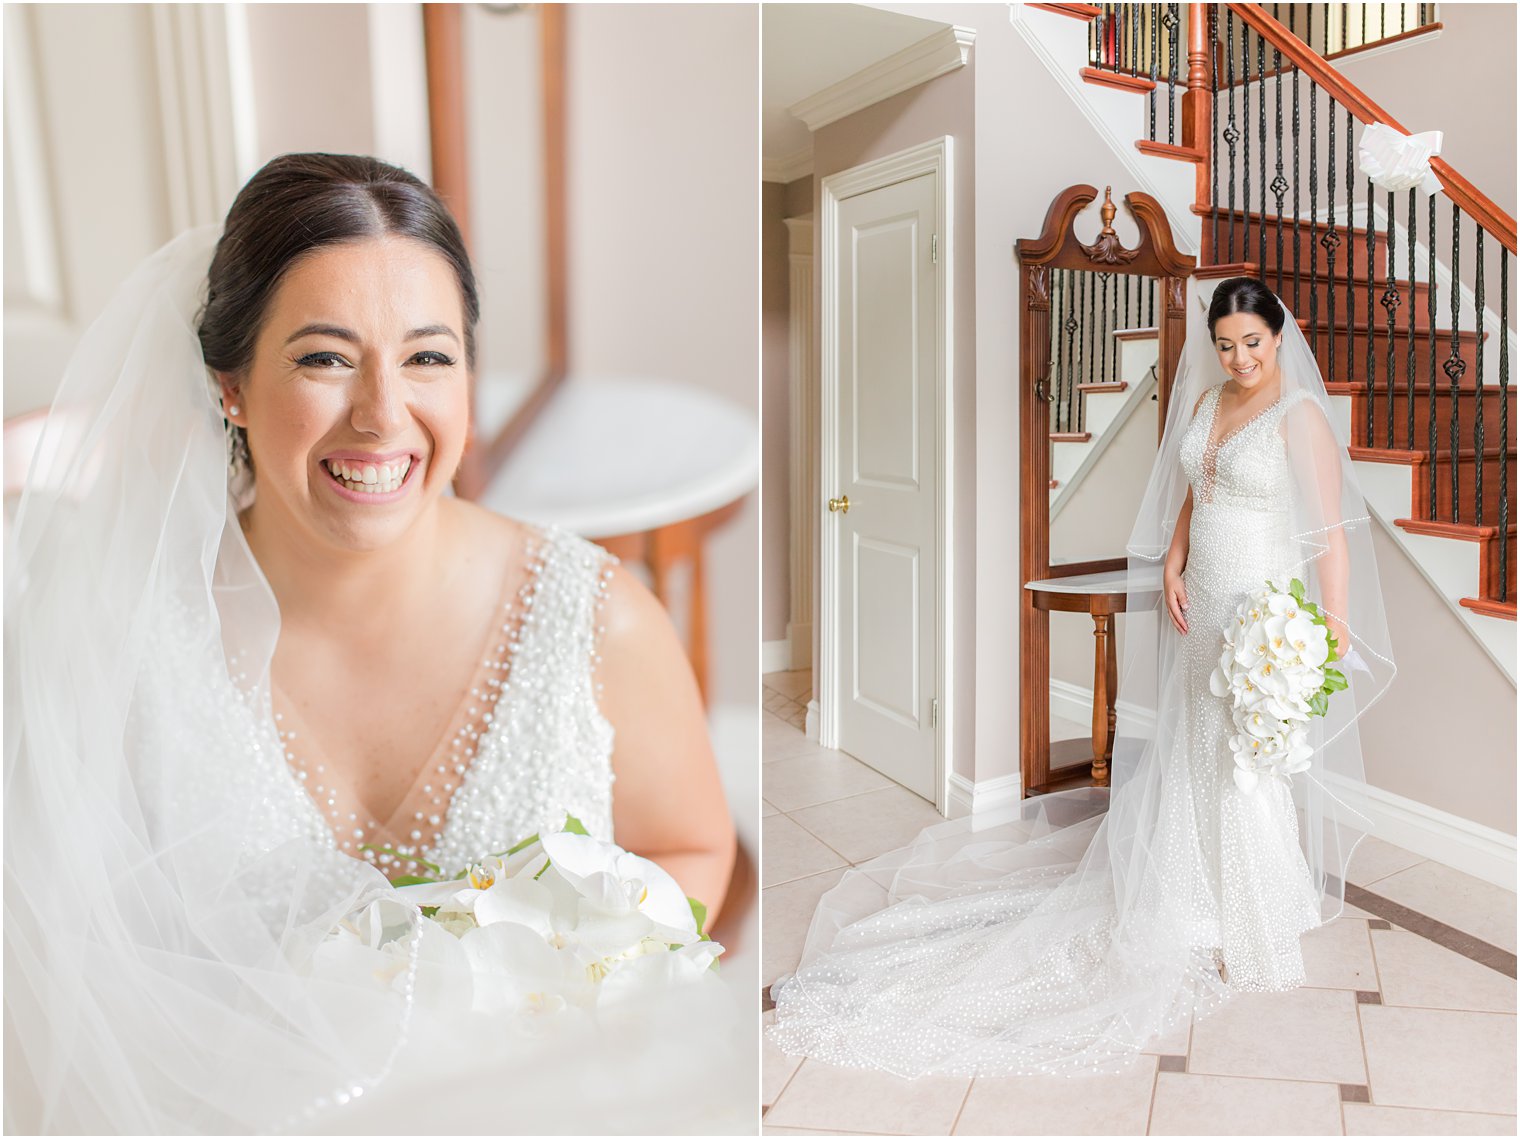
{"type": "Point", "coordinates": [1103, 328]}
{"type": "Point", "coordinates": [496, 110]}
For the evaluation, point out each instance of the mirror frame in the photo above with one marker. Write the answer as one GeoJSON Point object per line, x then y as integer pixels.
{"type": "Point", "coordinates": [443, 40]}
{"type": "Point", "coordinates": [1058, 247]}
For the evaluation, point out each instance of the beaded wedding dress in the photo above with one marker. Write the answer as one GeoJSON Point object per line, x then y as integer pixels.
{"type": "Point", "coordinates": [527, 746]}
{"type": "Point", "coordinates": [1065, 934]}
{"type": "Point", "coordinates": [178, 865]}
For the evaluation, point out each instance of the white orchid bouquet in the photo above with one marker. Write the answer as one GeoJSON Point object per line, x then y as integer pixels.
{"type": "Point", "coordinates": [1276, 671]}
{"type": "Point", "coordinates": [560, 921]}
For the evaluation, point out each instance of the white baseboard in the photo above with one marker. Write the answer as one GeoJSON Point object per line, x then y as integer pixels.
{"type": "Point", "coordinates": [1432, 833]}
{"type": "Point", "coordinates": [775, 656]}
{"type": "Point", "coordinates": [1073, 702]}
{"type": "Point", "coordinates": [1419, 828]}
{"type": "Point", "coordinates": [972, 798]}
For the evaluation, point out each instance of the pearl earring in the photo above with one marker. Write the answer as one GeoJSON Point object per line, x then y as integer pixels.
{"type": "Point", "coordinates": [234, 410]}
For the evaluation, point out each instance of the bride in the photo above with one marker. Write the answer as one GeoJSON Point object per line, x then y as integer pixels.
{"type": "Point", "coordinates": [259, 660]}
{"type": "Point", "coordinates": [1064, 934]}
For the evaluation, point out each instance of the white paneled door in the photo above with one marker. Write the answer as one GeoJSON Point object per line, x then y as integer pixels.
{"type": "Point", "coordinates": [885, 607]}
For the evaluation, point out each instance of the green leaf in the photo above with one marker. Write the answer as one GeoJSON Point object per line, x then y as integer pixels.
{"type": "Point", "coordinates": [430, 911]}
{"type": "Point", "coordinates": [412, 880]}
{"type": "Point", "coordinates": [698, 911]}
{"type": "Point", "coordinates": [523, 845]}
{"type": "Point", "coordinates": [1296, 588]}
{"type": "Point", "coordinates": [574, 826]}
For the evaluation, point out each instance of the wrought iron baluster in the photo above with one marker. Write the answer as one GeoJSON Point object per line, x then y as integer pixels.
{"type": "Point", "coordinates": [1478, 379]}
{"type": "Point", "coordinates": [1214, 126]}
{"type": "Point", "coordinates": [1503, 423]}
{"type": "Point", "coordinates": [1279, 184]}
{"type": "Point", "coordinates": [1412, 236]}
{"type": "Point", "coordinates": [1173, 22]}
{"type": "Point", "coordinates": [1231, 134]}
{"type": "Point", "coordinates": [1261, 162]}
{"type": "Point", "coordinates": [1089, 312]}
{"type": "Point", "coordinates": [1364, 25]}
{"type": "Point", "coordinates": [1351, 319]}
{"type": "Point", "coordinates": [1245, 152]}
{"type": "Point", "coordinates": [1297, 168]}
{"type": "Point", "coordinates": [1455, 366]}
{"type": "Point", "coordinates": [1331, 239]}
{"type": "Point", "coordinates": [1058, 331]}
{"type": "Point", "coordinates": [1150, 18]}
{"type": "Point", "coordinates": [1345, 16]}
{"type": "Point", "coordinates": [1313, 206]}
{"type": "Point", "coordinates": [1430, 301]}
{"type": "Point", "coordinates": [1351, 246]}
{"type": "Point", "coordinates": [1391, 302]}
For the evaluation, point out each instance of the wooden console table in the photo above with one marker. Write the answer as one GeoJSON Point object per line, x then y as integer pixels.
{"type": "Point", "coordinates": [1102, 596]}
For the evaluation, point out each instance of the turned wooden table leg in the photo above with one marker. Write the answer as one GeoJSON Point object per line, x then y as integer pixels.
{"type": "Point", "coordinates": [1104, 684]}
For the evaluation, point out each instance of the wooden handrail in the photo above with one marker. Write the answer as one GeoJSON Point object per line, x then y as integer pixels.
{"type": "Point", "coordinates": [1478, 205]}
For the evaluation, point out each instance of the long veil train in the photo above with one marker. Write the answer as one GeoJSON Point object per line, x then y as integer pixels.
{"type": "Point", "coordinates": [1062, 934]}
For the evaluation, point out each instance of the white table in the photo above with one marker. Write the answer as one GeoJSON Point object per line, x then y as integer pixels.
{"type": "Point", "coordinates": [645, 467]}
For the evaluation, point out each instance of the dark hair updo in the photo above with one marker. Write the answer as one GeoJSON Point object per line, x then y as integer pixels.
{"type": "Point", "coordinates": [1246, 294]}
{"type": "Point", "coordinates": [300, 203]}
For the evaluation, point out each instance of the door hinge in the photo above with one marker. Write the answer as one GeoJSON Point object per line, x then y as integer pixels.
{"type": "Point", "coordinates": [934, 249]}
{"type": "Point", "coordinates": [934, 712]}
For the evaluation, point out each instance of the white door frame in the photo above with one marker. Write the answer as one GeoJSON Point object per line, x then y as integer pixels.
{"type": "Point", "coordinates": [933, 157]}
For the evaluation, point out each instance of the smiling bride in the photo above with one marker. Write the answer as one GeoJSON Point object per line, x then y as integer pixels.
{"type": "Point", "coordinates": [261, 665]}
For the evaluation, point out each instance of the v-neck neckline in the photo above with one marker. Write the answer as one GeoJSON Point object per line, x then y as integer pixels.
{"type": "Point", "coordinates": [474, 717]}
{"type": "Point", "coordinates": [1215, 446]}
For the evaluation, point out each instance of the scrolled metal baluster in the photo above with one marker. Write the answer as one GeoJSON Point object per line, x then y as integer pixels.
{"type": "Point", "coordinates": [1412, 236]}
{"type": "Point", "coordinates": [1231, 134]}
{"type": "Point", "coordinates": [1455, 366]}
{"type": "Point", "coordinates": [1297, 167]}
{"type": "Point", "coordinates": [1351, 246]}
{"type": "Point", "coordinates": [1351, 319]}
{"type": "Point", "coordinates": [1478, 380]}
{"type": "Point", "coordinates": [1313, 204]}
{"type": "Point", "coordinates": [1214, 125]}
{"type": "Point", "coordinates": [1150, 12]}
{"type": "Point", "coordinates": [1173, 22]}
{"type": "Point", "coordinates": [1245, 151]}
{"type": "Point", "coordinates": [1503, 423]}
{"type": "Point", "coordinates": [1391, 301]}
{"type": "Point", "coordinates": [1279, 183]}
{"type": "Point", "coordinates": [1330, 240]}
{"type": "Point", "coordinates": [1430, 277]}
{"type": "Point", "coordinates": [1261, 162]}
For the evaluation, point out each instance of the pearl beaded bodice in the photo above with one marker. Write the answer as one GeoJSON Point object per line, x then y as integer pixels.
{"type": "Point", "coordinates": [527, 746]}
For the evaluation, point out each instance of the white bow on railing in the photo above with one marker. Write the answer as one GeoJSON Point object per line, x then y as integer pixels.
{"type": "Point", "coordinates": [1397, 161]}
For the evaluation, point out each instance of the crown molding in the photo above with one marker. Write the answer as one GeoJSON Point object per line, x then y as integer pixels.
{"type": "Point", "coordinates": [789, 167]}
{"type": "Point", "coordinates": [946, 50]}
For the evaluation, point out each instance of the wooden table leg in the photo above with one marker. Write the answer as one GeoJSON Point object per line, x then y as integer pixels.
{"type": "Point", "coordinates": [1103, 685]}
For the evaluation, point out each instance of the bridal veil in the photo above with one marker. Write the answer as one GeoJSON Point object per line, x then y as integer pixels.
{"type": "Point", "coordinates": [163, 920]}
{"type": "Point", "coordinates": [1056, 936]}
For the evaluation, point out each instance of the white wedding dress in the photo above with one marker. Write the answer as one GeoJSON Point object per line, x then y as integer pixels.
{"type": "Point", "coordinates": [528, 744]}
{"type": "Point", "coordinates": [1063, 939]}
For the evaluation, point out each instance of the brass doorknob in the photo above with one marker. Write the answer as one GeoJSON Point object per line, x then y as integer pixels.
{"type": "Point", "coordinates": [842, 504]}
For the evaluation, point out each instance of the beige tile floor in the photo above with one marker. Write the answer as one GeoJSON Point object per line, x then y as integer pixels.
{"type": "Point", "coordinates": [1393, 1034]}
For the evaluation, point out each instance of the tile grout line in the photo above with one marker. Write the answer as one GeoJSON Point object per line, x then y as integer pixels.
{"type": "Point", "coordinates": [1447, 936]}
{"type": "Point", "coordinates": [824, 842]}
{"type": "Point", "coordinates": [960, 1111]}
{"type": "Point", "coordinates": [1150, 1108]}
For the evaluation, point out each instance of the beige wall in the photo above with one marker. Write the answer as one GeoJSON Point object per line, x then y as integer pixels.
{"type": "Point", "coordinates": [943, 106]}
{"type": "Point", "coordinates": [664, 175]}
{"type": "Point", "coordinates": [775, 372]}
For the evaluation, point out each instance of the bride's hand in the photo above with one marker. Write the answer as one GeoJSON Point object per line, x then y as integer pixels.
{"type": "Point", "coordinates": [1176, 599]}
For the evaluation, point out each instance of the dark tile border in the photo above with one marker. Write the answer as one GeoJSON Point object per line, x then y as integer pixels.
{"type": "Point", "coordinates": [1171, 1063]}
{"type": "Point", "coordinates": [1355, 1093]}
{"type": "Point", "coordinates": [1446, 936]}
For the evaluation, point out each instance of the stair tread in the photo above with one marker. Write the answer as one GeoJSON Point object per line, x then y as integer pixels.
{"type": "Point", "coordinates": [1464, 531]}
{"type": "Point", "coordinates": [1417, 457]}
{"type": "Point", "coordinates": [1070, 436]}
{"type": "Point", "coordinates": [1503, 610]}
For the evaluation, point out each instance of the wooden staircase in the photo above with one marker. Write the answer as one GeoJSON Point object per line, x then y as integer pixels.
{"type": "Point", "coordinates": [1427, 488]}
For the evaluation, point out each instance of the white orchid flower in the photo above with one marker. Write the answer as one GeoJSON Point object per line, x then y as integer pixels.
{"type": "Point", "coordinates": [613, 880]}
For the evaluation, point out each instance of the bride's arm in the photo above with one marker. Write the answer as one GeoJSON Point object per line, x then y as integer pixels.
{"type": "Point", "coordinates": [1317, 466]}
{"type": "Point", "coordinates": [667, 800]}
{"type": "Point", "coordinates": [1175, 563]}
